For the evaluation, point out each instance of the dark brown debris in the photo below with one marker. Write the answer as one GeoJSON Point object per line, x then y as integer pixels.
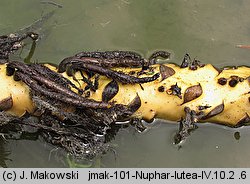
{"type": "Point", "coordinates": [175, 90]}
{"type": "Point", "coordinates": [186, 125]}
{"type": "Point", "coordinates": [6, 103]}
{"type": "Point", "coordinates": [161, 89]}
{"type": "Point", "coordinates": [243, 121]}
{"type": "Point", "coordinates": [10, 71]}
{"type": "Point", "coordinates": [110, 90]}
{"type": "Point", "coordinates": [237, 135]}
{"type": "Point", "coordinates": [186, 61]}
{"type": "Point", "coordinates": [166, 72]}
{"type": "Point", "coordinates": [135, 104]}
{"type": "Point", "coordinates": [192, 93]}
{"type": "Point", "coordinates": [217, 110]}
{"type": "Point", "coordinates": [233, 82]}
{"type": "Point", "coordinates": [222, 81]}
{"type": "Point", "coordinates": [203, 107]}
{"type": "Point", "coordinates": [193, 65]}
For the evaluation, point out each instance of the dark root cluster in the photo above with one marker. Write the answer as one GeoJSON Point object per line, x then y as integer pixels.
{"type": "Point", "coordinates": [13, 42]}
{"type": "Point", "coordinates": [67, 119]}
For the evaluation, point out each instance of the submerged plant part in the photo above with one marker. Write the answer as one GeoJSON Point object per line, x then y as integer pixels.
{"type": "Point", "coordinates": [78, 103]}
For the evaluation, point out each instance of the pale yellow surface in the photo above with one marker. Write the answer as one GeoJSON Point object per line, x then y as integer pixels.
{"type": "Point", "coordinates": [157, 104]}
{"type": "Point", "coordinates": [162, 105]}
{"type": "Point", "coordinates": [18, 91]}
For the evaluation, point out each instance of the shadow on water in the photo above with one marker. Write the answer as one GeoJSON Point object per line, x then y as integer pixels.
{"type": "Point", "coordinates": [4, 154]}
{"type": "Point", "coordinates": [208, 30]}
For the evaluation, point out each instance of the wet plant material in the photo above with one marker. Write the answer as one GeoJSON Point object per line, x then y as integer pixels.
{"type": "Point", "coordinates": [13, 42]}
{"type": "Point", "coordinates": [186, 126]}
{"type": "Point", "coordinates": [85, 133]}
{"type": "Point", "coordinates": [79, 105]}
{"type": "Point", "coordinates": [86, 130]}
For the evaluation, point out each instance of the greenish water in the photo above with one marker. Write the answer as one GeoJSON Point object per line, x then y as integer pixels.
{"type": "Point", "coordinates": [207, 30]}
